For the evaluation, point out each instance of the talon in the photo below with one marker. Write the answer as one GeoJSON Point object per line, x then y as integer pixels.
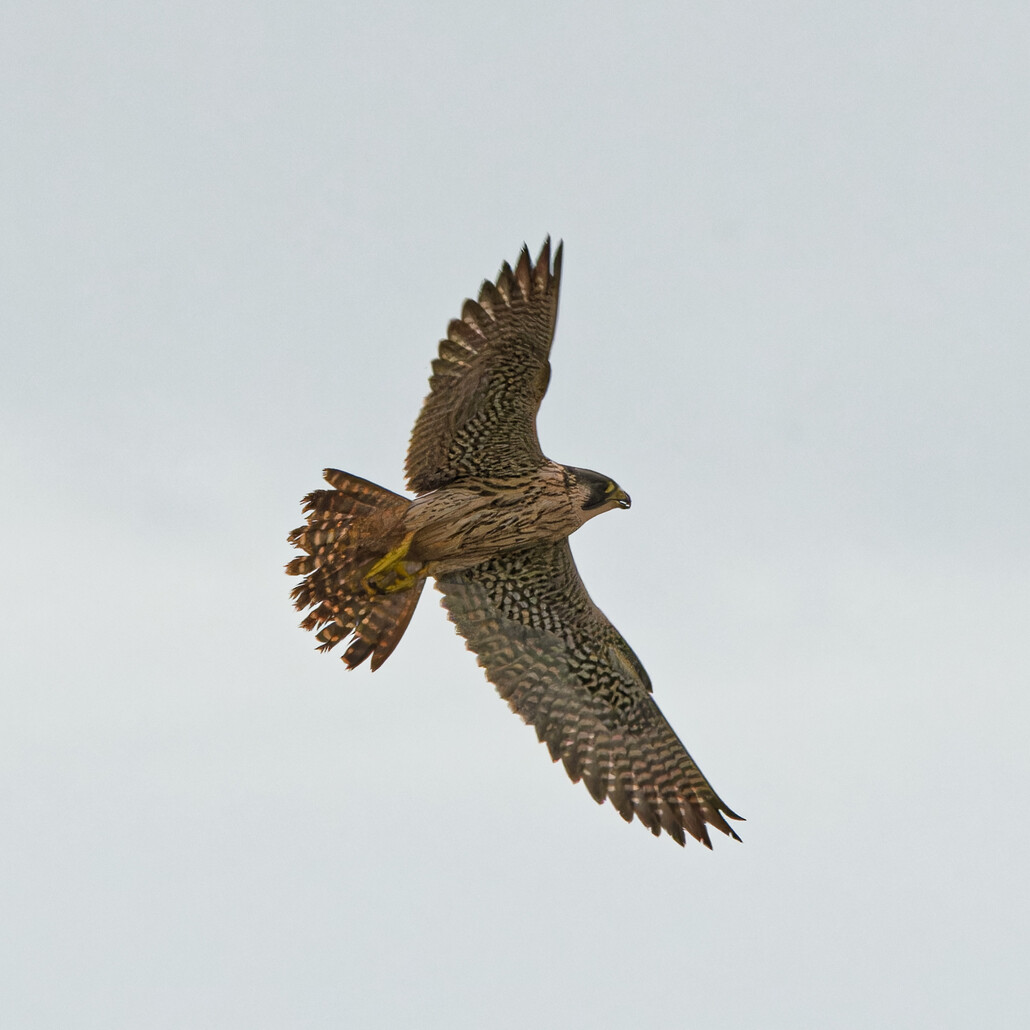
{"type": "Point", "coordinates": [391, 562]}
{"type": "Point", "coordinates": [403, 580]}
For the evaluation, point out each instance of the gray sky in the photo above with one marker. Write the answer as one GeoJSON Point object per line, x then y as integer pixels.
{"type": "Point", "coordinates": [794, 326]}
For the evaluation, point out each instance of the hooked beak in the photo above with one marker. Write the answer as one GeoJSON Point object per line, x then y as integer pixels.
{"type": "Point", "coordinates": [621, 498]}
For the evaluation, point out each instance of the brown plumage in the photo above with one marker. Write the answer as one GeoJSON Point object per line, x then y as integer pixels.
{"type": "Point", "coordinates": [348, 528]}
{"type": "Point", "coordinates": [490, 522]}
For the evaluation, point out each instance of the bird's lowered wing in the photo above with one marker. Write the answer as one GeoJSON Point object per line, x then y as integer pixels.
{"type": "Point", "coordinates": [560, 664]}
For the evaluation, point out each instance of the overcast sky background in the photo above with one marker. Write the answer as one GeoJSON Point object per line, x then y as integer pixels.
{"type": "Point", "coordinates": [795, 326]}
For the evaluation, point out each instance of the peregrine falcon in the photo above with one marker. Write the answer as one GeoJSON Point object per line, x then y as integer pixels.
{"type": "Point", "coordinates": [490, 522]}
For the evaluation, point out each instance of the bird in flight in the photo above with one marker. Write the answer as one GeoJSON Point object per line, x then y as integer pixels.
{"type": "Point", "coordinates": [490, 522]}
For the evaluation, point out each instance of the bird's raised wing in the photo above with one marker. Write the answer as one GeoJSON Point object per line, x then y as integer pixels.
{"type": "Point", "coordinates": [560, 664]}
{"type": "Point", "coordinates": [487, 383]}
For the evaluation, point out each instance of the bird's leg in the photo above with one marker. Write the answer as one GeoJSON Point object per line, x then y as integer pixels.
{"type": "Point", "coordinates": [391, 562]}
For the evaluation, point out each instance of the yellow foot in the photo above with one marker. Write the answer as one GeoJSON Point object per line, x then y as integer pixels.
{"type": "Point", "coordinates": [377, 579]}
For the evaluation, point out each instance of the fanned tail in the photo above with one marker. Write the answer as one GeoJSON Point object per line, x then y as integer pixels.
{"type": "Point", "coordinates": [349, 527]}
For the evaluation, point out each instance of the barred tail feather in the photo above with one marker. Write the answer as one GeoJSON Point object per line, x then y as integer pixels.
{"type": "Point", "coordinates": [348, 527]}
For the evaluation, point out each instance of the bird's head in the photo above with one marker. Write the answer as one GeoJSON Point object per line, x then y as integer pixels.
{"type": "Point", "coordinates": [593, 493]}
